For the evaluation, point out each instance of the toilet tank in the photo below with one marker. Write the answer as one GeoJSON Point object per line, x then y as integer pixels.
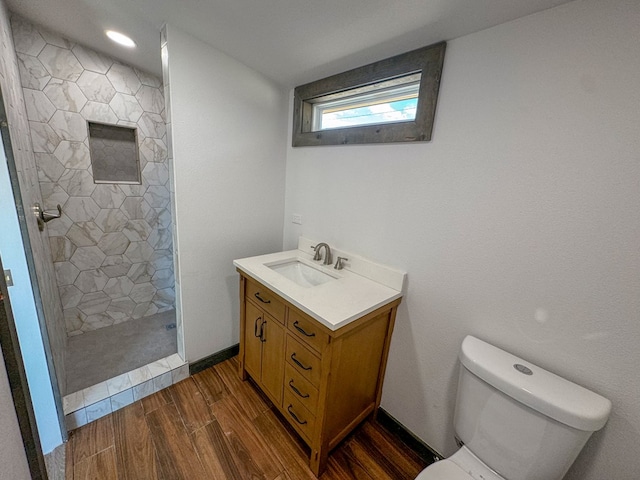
{"type": "Point", "coordinates": [522, 421]}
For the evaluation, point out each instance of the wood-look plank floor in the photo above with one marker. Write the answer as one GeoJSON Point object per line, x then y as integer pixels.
{"type": "Point", "coordinates": [214, 426]}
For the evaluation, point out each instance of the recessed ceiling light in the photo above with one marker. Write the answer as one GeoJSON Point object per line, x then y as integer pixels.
{"type": "Point", "coordinates": [120, 38]}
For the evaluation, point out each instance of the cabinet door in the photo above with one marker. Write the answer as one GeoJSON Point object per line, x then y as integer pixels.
{"type": "Point", "coordinates": [254, 319]}
{"type": "Point", "coordinates": [273, 358]}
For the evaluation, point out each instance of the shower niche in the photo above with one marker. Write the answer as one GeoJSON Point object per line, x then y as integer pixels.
{"type": "Point", "coordinates": [114, 153]}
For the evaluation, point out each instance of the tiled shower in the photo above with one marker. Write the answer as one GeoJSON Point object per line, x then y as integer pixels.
{"type": "Point", "coordinates": [112, 245]}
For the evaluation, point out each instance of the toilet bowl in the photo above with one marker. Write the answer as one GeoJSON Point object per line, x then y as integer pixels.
{"type": "Point", "coordinates": [463, 465]}
{"type": "Point", "coordinates": [515, 420]}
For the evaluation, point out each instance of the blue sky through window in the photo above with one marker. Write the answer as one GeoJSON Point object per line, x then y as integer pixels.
{"type": "Point", "coordinates": [387, 112]}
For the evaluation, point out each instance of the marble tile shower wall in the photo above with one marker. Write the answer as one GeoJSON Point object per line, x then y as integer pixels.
{"type": "Point", "coordinates": [112, 247]}
{"type": "Point", "coordinates": [49, 308]}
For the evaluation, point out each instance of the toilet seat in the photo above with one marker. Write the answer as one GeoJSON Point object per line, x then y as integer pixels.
{"type": "Point", "coordinates": [462, 465]}
{"type": "Point", "coordinates": [443, 470]}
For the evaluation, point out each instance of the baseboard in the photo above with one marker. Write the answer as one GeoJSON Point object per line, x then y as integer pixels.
{"type": "Point", "coordinates": [211, 360]}
{"type": "Point", "coordinates": [424, 451]}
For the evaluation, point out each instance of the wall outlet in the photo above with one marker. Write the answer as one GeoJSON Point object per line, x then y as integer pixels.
{"type": "Point", "coordinates": [296, 218]}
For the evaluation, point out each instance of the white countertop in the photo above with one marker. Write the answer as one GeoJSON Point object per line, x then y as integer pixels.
{"type": "Point", "coordinates": [335, 303]}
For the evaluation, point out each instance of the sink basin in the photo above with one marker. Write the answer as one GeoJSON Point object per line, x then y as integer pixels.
{"type": "Point", "coordinates": [301, 273]}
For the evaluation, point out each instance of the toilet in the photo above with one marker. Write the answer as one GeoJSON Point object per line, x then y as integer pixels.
{"type": "Point", "coordinates": [514, 420]}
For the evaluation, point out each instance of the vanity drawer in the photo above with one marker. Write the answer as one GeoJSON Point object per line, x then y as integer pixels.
{"type": "Point", "coordinates": [307, 329]}
{"type": "Point", "coordinates": [266, 299]}
{"type": "Point", "coordinates": [300, 388]}
{"type": "Point", "coordinates": [303, 360]}
{"type": "Point", "coordinates": [298, 416]}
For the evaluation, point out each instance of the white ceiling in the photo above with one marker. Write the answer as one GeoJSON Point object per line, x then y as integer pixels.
{"type": "Point", "coordinates": [290, 41]}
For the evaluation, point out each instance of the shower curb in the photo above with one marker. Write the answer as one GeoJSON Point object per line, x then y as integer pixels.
{"type": "Point", "coordinates": [96, 401]}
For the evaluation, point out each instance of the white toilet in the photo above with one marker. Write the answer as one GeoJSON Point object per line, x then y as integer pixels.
{"type": "Point", "coordinates": [516, 421]}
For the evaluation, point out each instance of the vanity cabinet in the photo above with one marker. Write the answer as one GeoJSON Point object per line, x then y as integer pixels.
{"type": "Point", "coordinates": [324, 382]}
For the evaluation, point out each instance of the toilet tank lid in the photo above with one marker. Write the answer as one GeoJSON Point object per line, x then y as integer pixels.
{"type": "Point", "coordinates": [543, 391]}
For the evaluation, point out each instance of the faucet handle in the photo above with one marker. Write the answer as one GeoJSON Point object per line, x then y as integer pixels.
{"type": "Point", "coordinates": [340, 263]}
{"type": "Point", "coordinates": [316, 257]}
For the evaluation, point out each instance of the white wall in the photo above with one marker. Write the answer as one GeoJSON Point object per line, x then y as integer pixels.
{"type": "Point", "coordinates": [229, 126]}
{"type": "Point", "coordinates": [518, 223]}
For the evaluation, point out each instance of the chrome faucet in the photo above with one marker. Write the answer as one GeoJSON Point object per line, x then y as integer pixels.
{"type": "Point", "coordinates": [327, 255]}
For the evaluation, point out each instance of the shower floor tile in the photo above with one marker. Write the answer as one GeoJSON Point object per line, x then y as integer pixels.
{"type": "Point", "coordinates": [97, 356]}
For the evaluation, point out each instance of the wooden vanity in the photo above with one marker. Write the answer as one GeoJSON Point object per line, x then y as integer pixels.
{"type": "Point", "coordinates": [323, 381]}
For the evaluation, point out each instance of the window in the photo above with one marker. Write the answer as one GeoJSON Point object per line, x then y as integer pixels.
{"type": "Point", "coordinates": [388, 101]}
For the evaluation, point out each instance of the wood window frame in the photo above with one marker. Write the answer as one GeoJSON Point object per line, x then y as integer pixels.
{"type": "Point", "coordinates": [427, 60]}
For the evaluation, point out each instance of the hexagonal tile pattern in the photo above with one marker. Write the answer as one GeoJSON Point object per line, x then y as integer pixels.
{"type": "Point", "coordinates": [82, 209]}
{"type": "Point", "coordinates": [96, 87]}
{"type": "Point", "coordinates": [153, 150]}
{"type": "Point", "coordinates": [157, 196]}
{"type": "Point", "coordinates": [133, 190]}
{"type": "Point", "coordinates": [150, 99]}
{"type": "Point", "coordinates": [26, 38]}
{"type": "Point", "coordinates": [118, 287]}
{"type": "Point", "coordinates": [87, 258]}
{"type": "Point", "coordinates": [91, 60]}
{"type": "Point", "coordinates": [66, 273]}
{"type": "Point", "coordinates": [32, 72]}
{"type": "Point", "coordinates": [70, 296]}
{"type": "Point", "coordinates": [160, 238]}
{"type": "Point", "coordinates": [60, 63]}
{"type": "Point", "coordinates": [147, 79]}
{"type": "Point", "coordinates": [108, 196]}
{"type": "Point", "coordinates": [69, 125]}
{"type": "Point", "coordinates": [141, 272]}
{"type": "Point", "coordinates": [92, 303]}
{"type": "Point", "coordinates": [49, 168]}
{"type": "Point", "coordinates": [61, 248]}
{"type": "Point", "coordinates": [116, 266]}
{"type": "Point", "coordinates": [103, 244]}
{"type": "Point", "coordinates": [164, 299]}
{"type": "Point", "coordinates": [161, 259]}
{"type": "Point", "coordinates": [84, 234]}
{"type": "Point", "coordinates": [152, 125]}
{"type": "Point", "coordinates": [54, 39]}
{"type": "Point", "coordinates": [139, 252]}
{"type": "Point", "coordinates": [124, 79]}
{"type": "Point", "coordinates": [113, 243]}
{"type": "Point", "coordinates": [39, 108]}
{"type": "Point", "coordinates": [96, 321]}
{"type": "Point", "coordinates": [65, 95]}
{"type": "Point", "coordinates": [135, 208]}
{"type": "Point", "coordinates": [142, 292]}
{"type": "Point", "coordinates": [121, 308]}
{"type": "Point", "coordinates": [52, 195]}
{"type": "Point", "coordinates": [74, 319]}
{"type": "Point", "coordinates": [111, 220]}
{"type": "Point", "coordinates": [137, 230]}
{"type": "Point", "coordinates": [155, 173]}
{"type": "Point", "coordinates": [60, 227]}
{"type": "Point", "coordinates": [73, 155]}
{"type": "Point", "coordinates": [126, 107]}
{"type": "Point", "coordinates": [163, 279]}
{"type": "Point", "coordinates": [77, 183]}
{"type": "Point", "coordinates": [43, 138]}
{"type": "Point", "coordinates": [91, 281]}
{"type": "Point", "coordinates": [98, 112]}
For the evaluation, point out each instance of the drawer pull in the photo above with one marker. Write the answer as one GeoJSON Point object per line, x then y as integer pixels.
{"type": "Point", "coordinates": [294, 415]}
{"type": "Point", "coordinates": [298, 392]}
{"type": "Point", "coordinates": [257, 295]}
{"type": "Point", "coordinates": [297, 362]}
{"type": "Point", "coordinates": [257, 333]}
{"type": "Point", "coordinates": [301, 330]}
